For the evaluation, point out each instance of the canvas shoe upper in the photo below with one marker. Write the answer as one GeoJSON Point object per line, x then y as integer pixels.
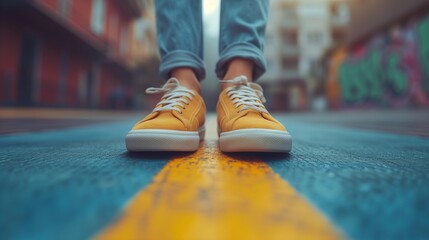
{"type": "Point", "coordinates": [244, 124]}
{"type": "Point", "coordinates": [175, 124]}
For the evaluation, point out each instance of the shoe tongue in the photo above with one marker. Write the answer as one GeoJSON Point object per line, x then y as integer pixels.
{"type": "Point", "coordinates": [251, 113]}
{"type": "Point", "coordinates": [167, 114]}
{"type": "Point", "coordinates": [254, 113]}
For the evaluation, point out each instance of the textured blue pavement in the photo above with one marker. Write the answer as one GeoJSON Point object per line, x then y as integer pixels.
{"type": "Point", "coordinates": [371, 185]}
{"type": "Point", "coordinates": [69, 184]}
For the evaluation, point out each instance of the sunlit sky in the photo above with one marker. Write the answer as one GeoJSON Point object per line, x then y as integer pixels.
{"type": "Point", "coordinates": [210, 6]}
{"type": "Point", "coordinates": [211, 10]}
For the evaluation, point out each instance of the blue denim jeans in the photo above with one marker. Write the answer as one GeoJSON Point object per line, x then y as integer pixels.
{"type": "Point", "coordinates": [180, 35]}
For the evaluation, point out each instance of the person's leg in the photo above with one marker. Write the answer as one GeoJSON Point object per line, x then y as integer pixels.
{"type": "Point", "coordinates": [177, 122]}
{"type": "Point", "coordinates": [187, 78]}
{"type": "Point", "coordinates": [180, 40]}
{"type": "Point", "coordinates": [242, 30]}
{"type": "Point", "coordinates": [243, 122]}
{"type": "Point", "coordinates": [237, 67]}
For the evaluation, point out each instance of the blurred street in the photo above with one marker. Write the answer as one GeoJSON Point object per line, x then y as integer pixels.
{"type": "Point", "coordinates": [400, 121]}
{"type": "Point", "coordinates": [348, 78]}
{"type": "Point", "coordinates": [351, 174]}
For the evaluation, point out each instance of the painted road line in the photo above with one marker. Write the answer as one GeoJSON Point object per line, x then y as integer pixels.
{"type": "Point", "coordinates": [209, 195]}
{"type": "Point", "coordinates": [372, 185]}
{"type": "Point", "coordinates": [69, 184]}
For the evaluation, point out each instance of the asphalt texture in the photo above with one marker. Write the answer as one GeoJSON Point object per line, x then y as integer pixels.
{"type": "Point", "coordinates": [70, 184]}
{"type": "Point", "coordinates": [371, 185]}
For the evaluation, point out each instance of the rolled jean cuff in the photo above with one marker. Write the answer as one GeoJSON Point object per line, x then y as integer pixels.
{"type": "Point", "coordinates": [180, 58]}
{"type": "Point", "coordinates": [242, 50]}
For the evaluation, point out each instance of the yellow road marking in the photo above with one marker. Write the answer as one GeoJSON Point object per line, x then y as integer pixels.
{"type": "Point", "coordinates": [209, 195]}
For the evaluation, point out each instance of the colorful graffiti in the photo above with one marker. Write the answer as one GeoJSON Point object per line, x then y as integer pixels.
{"type": "Point", "coordinates": [391, 69]}
{"type": "Point", "coordinates": [423, 36]}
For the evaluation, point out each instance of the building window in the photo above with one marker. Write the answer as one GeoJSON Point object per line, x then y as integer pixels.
{"type": "Point", "coordinates": [289, 14]}
{"type": "Point", "coordinates": [290, 62]}
{"type": "Point", "coordinates": [140, 27]}
{"type": "Point", "coordinates": [97, 16]}
{"type": "Point", "coordinates": [340, 13]}
{"type": "Point", "coordinates": [82, 91]}
{"type": "Point", "coordinates": [124, 40]}
{"type": "Point", "coordinates": [113, 32]}
{"type": "Point", "coordinates": [289, 37]}
{"type": "Point", "coordinates": [314, 38]}
{"type": "Point", "coordinates": [64, 76]}
{"type": "Point", "coordinates": [64, 7]}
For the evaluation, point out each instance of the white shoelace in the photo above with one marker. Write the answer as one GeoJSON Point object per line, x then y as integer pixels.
{"type": "Point", "coordinates": [245, 94]}
{"type": "Point", "coordinates": [174, 96]}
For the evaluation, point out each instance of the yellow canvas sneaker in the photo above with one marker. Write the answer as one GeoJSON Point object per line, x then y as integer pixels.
{"type": "Point", "coordinates": [244, 125]}
{"type": "Point", "coordinates": [176, 123]}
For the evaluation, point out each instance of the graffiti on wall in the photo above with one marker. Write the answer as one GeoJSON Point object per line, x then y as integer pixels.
{"type": "Point", "coordinates": [423, 36]}
{"type": "Point", "coordinates": [391, 69]}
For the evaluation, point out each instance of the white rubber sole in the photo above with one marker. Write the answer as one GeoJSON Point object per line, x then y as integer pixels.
{"type": "Point", "coordinates": [163, 140]}
{"type": "Point", "coordinates": [255, 140]}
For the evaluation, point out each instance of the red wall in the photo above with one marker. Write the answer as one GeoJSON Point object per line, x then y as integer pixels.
{"type": "Point", "coordinates": [78, 65]}
{"type": "Point", "coordinates": [79, 17]}
{"type": "Point", "coordinates": [106, 86]}
{"type": "Point", "coordinates": [49, 72]}
{"type": "Point", "coordinates": [10, 43]}
{"type": "Point", "coordinates": [52, 47]}
{"type": "Point", "coordinates": [114, 35]}
{"type": "Point", "coordinates": [80, 14]}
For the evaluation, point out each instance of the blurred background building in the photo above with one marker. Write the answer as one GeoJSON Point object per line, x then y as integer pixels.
{"type": "Point", "coordinates": [322, 54]}
{"type": "Point", "coordinates": [65, 53]}
{"type": "Point", "coordinates": [298, 34]}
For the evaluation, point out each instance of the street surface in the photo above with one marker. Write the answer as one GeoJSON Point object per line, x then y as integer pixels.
{"type": "Point", "coordinates": [355, 174]}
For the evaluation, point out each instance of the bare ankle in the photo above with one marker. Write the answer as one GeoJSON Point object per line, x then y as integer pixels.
{"type": "Point", "coordinates": [238, 67]}
{"type": "Point", "coordinates": [187, 78]}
